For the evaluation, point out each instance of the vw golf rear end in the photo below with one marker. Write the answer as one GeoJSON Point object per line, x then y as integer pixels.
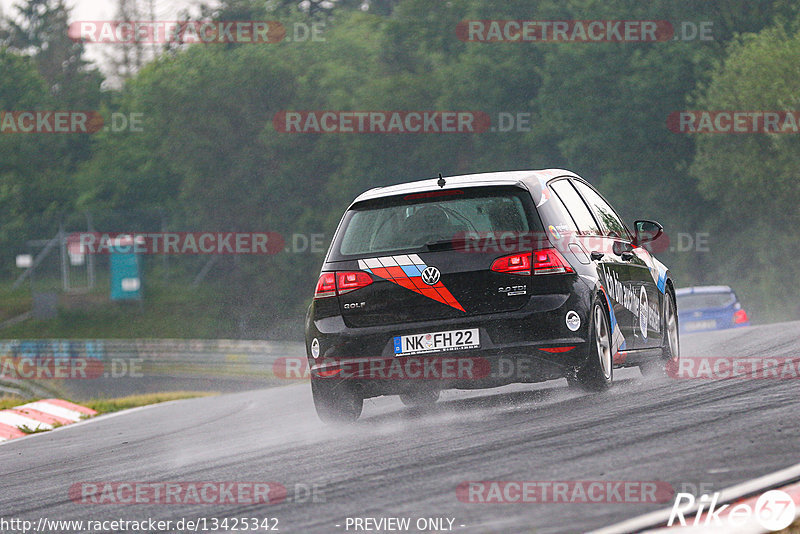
{"type": "Point", "coordinates": [453, 283]}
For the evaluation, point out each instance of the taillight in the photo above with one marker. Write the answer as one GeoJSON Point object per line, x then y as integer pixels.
{"type": "Point", "coordinates": [332, 284]}
{"type": "Point", "coordinates": [739, 317]}
{"type": "Point", "coordinates": [326, 286]}
{"type": "Point", "coordinates": [545, 261]}
{"type": "Point", "coordinates": [550, 261]}
{"type": "Point", "coordinates": [514, 264]}
{"type": "Point", "coordinates": [347, 282]}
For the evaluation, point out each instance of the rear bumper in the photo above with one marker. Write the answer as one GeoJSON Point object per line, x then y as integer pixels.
{"type": "Point", "coordinates": [404, 374]}
{"type": "Point", "coordinates": [721, 324]}
{"type": "Point", "coordinates": [512, 349]}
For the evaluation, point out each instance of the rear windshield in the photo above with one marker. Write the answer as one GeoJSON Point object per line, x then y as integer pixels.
{"type": "Point", "coordinates": [417, 222]}
{"type": "Point", "coordinates": [705, 300]}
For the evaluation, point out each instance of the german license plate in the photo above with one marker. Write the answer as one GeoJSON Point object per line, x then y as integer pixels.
{"type": "Point", "coordinates": [437, 342]}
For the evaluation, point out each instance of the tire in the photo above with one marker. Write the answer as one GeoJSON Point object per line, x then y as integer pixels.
{"type": "Point", "coordinates": [667, 364]}
{"type": "Point", "coordinates": [597, 373]}
{"type": "Point", "coordinates": [420, 398]}
{"type": "Point", "coordinates": [336, 401]}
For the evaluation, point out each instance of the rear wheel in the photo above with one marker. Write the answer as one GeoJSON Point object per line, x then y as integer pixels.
{"type": "Point", "coordinates": [420, 398]}
{"type": "Point", "coordinates": [336, 401]}
{"type": "Point", "coordinates": [598, 372]}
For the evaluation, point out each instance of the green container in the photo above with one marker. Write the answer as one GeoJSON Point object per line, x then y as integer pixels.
{"type": "Point", "coordinates": [126, 276]}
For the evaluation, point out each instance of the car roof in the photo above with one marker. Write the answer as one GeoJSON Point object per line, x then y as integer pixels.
{"type": "Point", "coordinates": [702, 289]}
{"type": "Point", "coordinates": [531, 179]}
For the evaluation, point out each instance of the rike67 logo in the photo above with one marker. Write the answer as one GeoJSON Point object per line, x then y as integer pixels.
{"type": "Point", "coordinates": [773, 511]}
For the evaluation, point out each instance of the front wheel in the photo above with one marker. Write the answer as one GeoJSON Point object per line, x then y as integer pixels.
{"type": "Point", "coordinates": [597, 373]}
{"type": "Point", "coordinates": [335, 401]}
{"type": "Point", "coordinates": [670, 351]}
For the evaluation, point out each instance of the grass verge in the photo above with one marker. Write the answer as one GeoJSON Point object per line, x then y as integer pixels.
{"type": "Point", "coordinates": [134, 401]}
{"type": "Point", "coordinates": [9, 401]}
{"type": "Point", "coordinates": [119, 403]}
{"type": "Point", "coordinates": [794, 528]}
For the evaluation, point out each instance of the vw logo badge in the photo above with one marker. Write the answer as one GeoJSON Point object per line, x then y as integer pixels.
{"type": "Point", "coordinates": [431, 276]}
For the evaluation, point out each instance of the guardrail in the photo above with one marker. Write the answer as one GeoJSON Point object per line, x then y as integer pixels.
{"type": "Point", "coordinates": [111, 367]}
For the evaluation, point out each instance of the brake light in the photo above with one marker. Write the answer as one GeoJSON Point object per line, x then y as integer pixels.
{"type": "Point", "coordinates": [326, 286]}
{"type": "Point", "coordinates": [545, 261]}
{"type": "Point", "coordinates": [739, 317]}
{"type": "Point", "coordinates": [550, 261]}
{"type": "Point", "coordinates": [347, 282]}
{"type": "Point", "coordinates": [514, 264]}
{"type": "Point", "coordinates": [332, 284]}
{"type": "Point", "coordinates": [433, 194]}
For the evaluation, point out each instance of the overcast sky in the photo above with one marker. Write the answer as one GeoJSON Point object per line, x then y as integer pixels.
{"type": "Point", "coordinates": [105, 10]}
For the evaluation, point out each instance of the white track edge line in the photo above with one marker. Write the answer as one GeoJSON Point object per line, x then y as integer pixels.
{"type": "Point", "coordinates": [659, 518]}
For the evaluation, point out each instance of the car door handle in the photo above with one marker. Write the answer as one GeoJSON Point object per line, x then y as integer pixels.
{"type": "Point", "coordinates": [627, 255]}
{"type": "Point", "coordinates": [595, 255]}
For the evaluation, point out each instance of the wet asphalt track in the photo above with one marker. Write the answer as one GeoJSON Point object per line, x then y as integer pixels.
{"type": "Point", "coordinates": [404, 463]}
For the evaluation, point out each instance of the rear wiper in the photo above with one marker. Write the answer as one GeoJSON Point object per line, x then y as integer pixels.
{"type": "Point", "coordinates": [443, 244]}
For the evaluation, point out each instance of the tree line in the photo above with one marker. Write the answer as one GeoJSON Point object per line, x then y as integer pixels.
{"type": "Point", "coordinates": [208, 154]}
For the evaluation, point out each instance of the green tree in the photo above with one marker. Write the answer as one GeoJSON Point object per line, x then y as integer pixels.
{"type": "Point", "coordinates": [753, 178]}
{"type": "Point", "coordinates": [40, 28]}
{"type": "Point", "coordinates": [34, 189]}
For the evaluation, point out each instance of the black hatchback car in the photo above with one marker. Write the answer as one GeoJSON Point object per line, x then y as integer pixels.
{"type": "Point", "coordinates": [480, 281]}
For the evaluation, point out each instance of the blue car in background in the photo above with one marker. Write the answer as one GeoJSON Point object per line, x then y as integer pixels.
{"type": "Point", "coordinates": [703, 308]}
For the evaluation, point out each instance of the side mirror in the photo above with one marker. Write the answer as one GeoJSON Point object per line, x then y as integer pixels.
{"type": "Point", "coordinates": [647, 231]}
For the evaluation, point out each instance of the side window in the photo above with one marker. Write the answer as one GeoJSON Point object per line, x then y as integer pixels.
{"type": "Point", "coordinates": [605, 213]}
{"type": "Point", "coordinates": [563, 215]}
{"type": "Point", "coordinates": [576, 206]}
